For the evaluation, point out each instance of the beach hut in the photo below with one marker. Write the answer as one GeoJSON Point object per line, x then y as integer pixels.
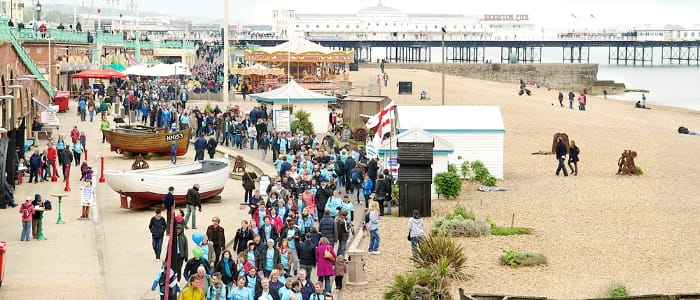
{"type": "Point", "coordinates": [475, 132]}
{"type": "Point", "coordinates": [294, 97]}
{"type": "Point", "coordinates": [441, 150]}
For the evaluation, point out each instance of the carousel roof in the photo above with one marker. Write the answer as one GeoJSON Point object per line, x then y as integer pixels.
{"type": "Point", "coordinates": [291, 92]}
{"type": "Point", "coordinates": [299, 50]}
{"type": "Point", "coordinates": [298, 45]}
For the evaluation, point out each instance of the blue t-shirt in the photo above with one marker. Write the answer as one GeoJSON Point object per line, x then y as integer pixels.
{"type": "Point", "coordinates": [283, 144]}
{"type": "Point", "coordinates": [251, 259]}
{"type": "Point", "coordinates": [284, 259]}
{"type": "Point", "coordinates": [241, 294]}
{"type": "Point", "coordinates": [270, 260]}
{"type": "Point", "coordinates": [267, 228]}
{"type": "Point", "coordinates": [291, 242]}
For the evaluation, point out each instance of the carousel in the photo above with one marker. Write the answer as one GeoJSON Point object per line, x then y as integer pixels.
{"type": "Point", "coordinates": [260, 75]}
{"type": "Point", "coordinates": [311, 65]}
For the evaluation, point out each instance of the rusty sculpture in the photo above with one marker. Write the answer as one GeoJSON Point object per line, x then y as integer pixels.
{"type": "Point", "coordinates": [564, 137]}
{"type": "Point", "coordinates": [239, 164]}
{"type": "Point", "coordinates": [625, 165]}
{"type": "Point", "coordinates": [139, 163]}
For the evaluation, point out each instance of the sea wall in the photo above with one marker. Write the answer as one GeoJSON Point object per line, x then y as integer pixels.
{"type": "Point", "coordinates": [556, 76]}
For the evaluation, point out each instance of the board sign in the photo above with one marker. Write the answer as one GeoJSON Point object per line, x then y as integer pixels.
{"type": "Point", "coordinates": [264, 182]}
{"type": "Point", "coordinates": [283, 121]}
{"type": "Point", "coordinates": [87, 196]}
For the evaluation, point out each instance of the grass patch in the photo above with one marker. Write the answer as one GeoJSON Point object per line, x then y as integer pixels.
{"type": "Point", "coordinates": [515, 259]}
{"type": "Point", "coordinates": [505, 231]}
{"type": "Point", "coordinates": [618, 292]}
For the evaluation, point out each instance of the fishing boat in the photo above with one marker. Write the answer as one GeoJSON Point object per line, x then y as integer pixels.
{"type": "Point", "coordinates": [147, 187]}
{"type": "Point", "coordinates": [142, 139]}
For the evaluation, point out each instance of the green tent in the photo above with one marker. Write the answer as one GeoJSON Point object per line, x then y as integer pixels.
{"type": "Point", "coordinates": [114, 66]}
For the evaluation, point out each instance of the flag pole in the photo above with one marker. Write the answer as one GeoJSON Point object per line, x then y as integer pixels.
{"type": "Point", "coordinates": [169, 259]}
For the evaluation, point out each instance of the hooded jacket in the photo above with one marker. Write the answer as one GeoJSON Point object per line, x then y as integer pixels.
{"type": "Point", "coordinates": [416, 227]}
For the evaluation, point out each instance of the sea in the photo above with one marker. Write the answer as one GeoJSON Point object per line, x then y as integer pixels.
{"type": "Point", "coordinates": [668, 84]}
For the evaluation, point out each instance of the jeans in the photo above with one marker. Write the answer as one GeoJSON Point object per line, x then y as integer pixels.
{"type": "Point", "coordinates": [339, 183]}
{"type": "Point", "coordinates": [561, 166]}
{"type": "Point", "coordinates": [374, 240]}
{"type": "Point", "coordinates": [191, 209]}
{"type": "Point", "coordinates": [173, 159]}
{"type": "Point", "coordinates": [26, 231]}
{"type": "Point", "coordinates": [92, 115]}
{"type": "Point", "coordinates": [264, 154]}
{"type": "Point", "coordinates": [252, 143]}
{"type": "Point", "coordinates": [308, 269]}
{"type": "Point", "coordinates": [199, 155]}
{"type": "Point", "coordinates": [227, 137]}
{"type": "Point", "coordinates": [414, 245]}
{"type": "Point", "coordinates": [157, 245]}
{"type": "Point", "coordinates": [341, 247]}
{"type": "Point", "coordinates": [327, 283]}
{"type": "Point", "coordinates": [247, 196]}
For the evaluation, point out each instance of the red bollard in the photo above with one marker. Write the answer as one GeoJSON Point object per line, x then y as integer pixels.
{"type": "Point", "coordinates": [54, 178]}
{"type": "Point", "coordinates": [102, 169]}
{"type": "Point", "coordinates": [85, 151]}
{"type": "Point", "coordinates": [67, 188]}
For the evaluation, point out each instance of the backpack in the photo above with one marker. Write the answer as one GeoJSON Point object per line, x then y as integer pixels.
{"type": "Point", "coordinates": [355, 176]}
{"type": "Point", "coordinates": [25, 213]}
{"type": "Point", "coordinates": [339, 168]}
{"type": "Point", "coordinates": [212, 291]}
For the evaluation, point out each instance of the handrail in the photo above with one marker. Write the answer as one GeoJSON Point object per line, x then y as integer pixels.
{"type": "Point", "coordinates": [29, 63]}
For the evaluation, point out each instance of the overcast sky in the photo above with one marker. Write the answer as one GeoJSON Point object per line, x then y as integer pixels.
{"type": "Point", "coordinates": [544, 13]}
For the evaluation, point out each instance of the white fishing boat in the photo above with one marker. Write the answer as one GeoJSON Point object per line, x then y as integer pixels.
{"type": "Point", "coordinates": [148, 187]}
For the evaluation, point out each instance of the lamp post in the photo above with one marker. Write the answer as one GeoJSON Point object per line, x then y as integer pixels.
{"type": "Point", "coordinates": [226, 54]}
{"type": "Point", "coordinates": [49, 66]}
{"type": "Point", "coordinates": [443, 64]}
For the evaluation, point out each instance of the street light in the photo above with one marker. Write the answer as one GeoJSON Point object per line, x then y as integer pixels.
{"type": "Point", "coordinates": [443, 64]}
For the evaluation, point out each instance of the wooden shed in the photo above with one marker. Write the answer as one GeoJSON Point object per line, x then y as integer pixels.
{"type": "Point", "coordinates": [355, 106]}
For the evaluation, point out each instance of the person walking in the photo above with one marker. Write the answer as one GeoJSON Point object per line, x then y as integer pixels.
{"type": "Point", "coordinates": [36, 216]}
{"type": "Point", "coordinates": [193, 202]}
{"type": "Point", "coordinates": [561, 99]}
{"type": "Point", "coordinates": [571, 99]}
{"type": "Point", "coordinates": [179, 251]}
{"type": "Point", "coordinates": [416, 231]}
{"type": "Point", "coordinates": [248, 179]}
{"type": "Point", "coordinates": [342, 229]}
{"type": "Point", "coordinates": [26, 210]}
{"type": "Point", "coordinates": [192, 291]}
{"type": "Point", "coordinates": [66, 158]}
{"type": "Point", "coordinates": [34, 165]}
{"type": "Point", "coordinates": [561, 156]}
{"type": "Point", "coordinates": [104, 125]}
{"type": "Point", "coordinates": [325, 262]}
{"type": "Point", "coordinates": [77, 152]}
{"type": "Point", "coordinates": [306, 251]}
{"type": "Point", "coordinates": [373, 227]}
{"type": "Point", "coordinates": [51, 157]}
{"type": "Point", "coordinates": [199, 145]}
{"type": "Point", "coordinates": [573, 158]}
{"type": "Point", "coordinates": [169, 203]}
{"type": "Point", "coordinates": [157, 227]}
{"type": "Point", "coordinates": [211, 147]}
{"type": "Point", "coordinates": [215, 234]}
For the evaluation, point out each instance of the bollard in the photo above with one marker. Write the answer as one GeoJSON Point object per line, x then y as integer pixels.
{"type": "Point", "coordinates": [102, 169]}
{"type": "Point", "coordinates": [54, 178]}
{"type": "Point", "coordinates": [356, 268]}
{"type": "Point", "coordinates": [67, 188]}
{"type": "Point", "coordinates": [85, 151]}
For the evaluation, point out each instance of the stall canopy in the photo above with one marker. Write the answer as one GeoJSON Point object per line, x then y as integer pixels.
{"type": "Point", "coordinates": [99, 74]}
{"type": "Point", "coordinates": [291, 92]}
{"type": "Point", "coordinates": [299, 50]}
{"type": "Point", "coordinates": [115, 66]}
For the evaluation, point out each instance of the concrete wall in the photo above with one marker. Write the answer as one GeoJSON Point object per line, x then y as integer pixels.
{"type": "Point", "coordinates": [556, 76]}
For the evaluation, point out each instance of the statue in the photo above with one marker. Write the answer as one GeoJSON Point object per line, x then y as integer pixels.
{"type": "Point", "coordinates": [239, 164]}
{"type": "Point", "coordinates": [625, 165]}
{"type": "Point", "coordinates": [564, 137]}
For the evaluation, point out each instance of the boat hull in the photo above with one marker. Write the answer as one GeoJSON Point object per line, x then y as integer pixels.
{"type": "Point", "coordinates": [148, 187]}
{"type": "Point", "coordinates": [145, 141]}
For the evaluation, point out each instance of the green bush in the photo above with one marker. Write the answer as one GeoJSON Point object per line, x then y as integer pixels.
{"type": "Point", "coordinates": [619, 292]}
{"type": "Point", "coordinates": [638, 170]}
{"type": "Point", "coordinates": [461, 222]}
{"type": "Point", "coordinates": [402, 287]}
{"type": "Point", "coordinates": [504, 231]}
{"type": "Point", "coordinates": [464, 169]}
{"type": "Point", "coordinates": [451, 168]}
{"type": "Point", "coordinates": [479, 170]}
{"type": "Point", "coordinates": [448, 184]}
{"type": "Point", "coordinates": [302, 122]}
{"type": "Point", "coordinates": [490, 181]}
{"type": "Point", "coordinates": [522, 259]}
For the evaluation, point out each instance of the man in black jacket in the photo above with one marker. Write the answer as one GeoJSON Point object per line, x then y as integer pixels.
{"type": "Point", "coordinates": [561, 156]}
{"type": "Point", "coordinates": [327, 227]}
{"type": "Point", "coordinates": [307, 255]}
{"type": "Point", "coordinates": [372, 171]}
{"type": "Point", "coordinates": [383, 192]}
{"type": "Point", "coordinates": [179, 251]}
{"type": "Point", "coordinates": [192, 199]}
{"type": "Point", "coordinates": [157, 228]}
{"type": "Point", "coordinates": [349, 165]}
{"type": "Point", "coordinates": [322, 194]}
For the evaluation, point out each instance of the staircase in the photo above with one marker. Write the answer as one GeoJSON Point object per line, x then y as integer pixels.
{"type": "Point", "coordinates": [11, 35]}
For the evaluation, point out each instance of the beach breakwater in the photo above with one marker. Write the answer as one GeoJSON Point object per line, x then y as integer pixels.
{"type": "Point", "coordinates": [551, 75]}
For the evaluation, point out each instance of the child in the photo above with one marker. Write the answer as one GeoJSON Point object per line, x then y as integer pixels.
{"type": "Point", "coordinates": [88, 174]}
{"type": "Point", "coordinates": [348, 207]}
{"type": "Point", "coordinates": [83, 170]}
{"type": "Point", "coordinates": [367, 187]}
{"type": "Point", "coordinates": [339, 271]}
{"type": "Point", "coordinates": [180, 218]}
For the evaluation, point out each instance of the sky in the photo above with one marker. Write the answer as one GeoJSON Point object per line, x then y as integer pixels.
{"type": "Point", "coordinates": [564, 14]}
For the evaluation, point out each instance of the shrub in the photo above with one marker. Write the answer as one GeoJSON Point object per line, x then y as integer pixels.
{"type": "Point", "coordinates": [479, 170]}
{"type": "Point", "coordinates": [522, 259]}
{"type": "Point", "coordinates": [451, 168]}
{"type": "Point", "coordinates": [448, 184]}
{"type": "Point", "coordinates": [403, 284]}
{"type": "Point", "coordinates": [302, 122]}
{"type": "Point", "coordinates": [490, 181]}
{"type": "Point", "coordinates": [464, 169]}
{"type": "Point", "coordinates": [504, 231]}
{"type": "Point", "coordinates": [440, 246]}
{"type": "Point", "coordinates": [638, 170]}
{"type": "Point", "coordinates": [208, 108]}
{"type": "Point", "coordinates": [618, 292]}
{"type": "Point", "coordinates": [461, 222]}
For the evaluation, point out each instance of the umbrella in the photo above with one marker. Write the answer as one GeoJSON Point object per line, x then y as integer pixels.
{"type": "Point", "coordinates": [100, 74]}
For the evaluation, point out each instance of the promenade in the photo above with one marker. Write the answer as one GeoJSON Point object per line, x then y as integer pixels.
{"type": "Point", "coordinates": [107, 257]}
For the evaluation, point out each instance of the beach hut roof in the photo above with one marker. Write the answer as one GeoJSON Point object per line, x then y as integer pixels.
{"type": "Point", "coordinates": [292, 92]}
{"type": "Point", "coordinates": [417, 135]}
{"type": "Point", "coordinates": [479, 119]}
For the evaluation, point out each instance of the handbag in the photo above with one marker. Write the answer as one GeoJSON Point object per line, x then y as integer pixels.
{"type": "Point", "coordinates": [328, 255]}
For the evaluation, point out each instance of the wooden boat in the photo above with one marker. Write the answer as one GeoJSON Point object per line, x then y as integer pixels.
{"type": "Point", "coordinates": [143, 139]}
{"type": "Point", "coordinates": [148, 187]}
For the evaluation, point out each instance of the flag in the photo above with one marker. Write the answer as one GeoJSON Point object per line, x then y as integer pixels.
{"type": "Point", "coordinates": [376, 119]}
{"type": "Point", "coordinates": [384, 122]}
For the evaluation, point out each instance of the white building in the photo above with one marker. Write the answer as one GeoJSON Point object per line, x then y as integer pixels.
{"type": "Point", "coordinates": [385, 23]}
{"type": "Point", "coordinates": [441, 149]}
{"type": "Point", "coordinates": [475, 132]}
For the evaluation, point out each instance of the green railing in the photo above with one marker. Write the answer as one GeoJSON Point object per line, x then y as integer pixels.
{"type": "Point", "coordinates": [28, 62]}
{"type": "Point", "coordinates": [132, 44]}
{"type": "Point", "coordinates": [177, 44]}
{"type": "Point", "coordinates": [107, 38]}
{"type": "Point", "coordinates": [56, 35]}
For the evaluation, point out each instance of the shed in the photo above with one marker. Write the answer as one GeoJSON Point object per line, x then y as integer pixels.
{"type": "Point", "coordinates": [475, 132]}
{"type": "Point", "coordinates": [356, 106]}
{"type": "Point", "coordinates": [441, 149]}
{"type": "Point", "coordinates": [298, 97]}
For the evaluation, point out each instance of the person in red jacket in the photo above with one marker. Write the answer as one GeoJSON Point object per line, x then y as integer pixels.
{"type": "Point", "coordinates": [26, 210]}
{"type": "Point", "coordinates": [75, 134]}
{"type": "Point", "coordinates": [51, 156]}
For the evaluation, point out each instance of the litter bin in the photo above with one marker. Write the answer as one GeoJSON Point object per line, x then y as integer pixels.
{"type": "Point", "coordinates": [3, 248]}
{"type": "Point", "coordinates": [356, 268]}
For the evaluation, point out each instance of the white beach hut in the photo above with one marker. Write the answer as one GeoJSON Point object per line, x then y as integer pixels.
{"type": "Point", "coordinates": [441, 149]}
{"type": "Point", "coordinates": [475, 132]}
{"type": "Point", "coordinates": [294, 97]}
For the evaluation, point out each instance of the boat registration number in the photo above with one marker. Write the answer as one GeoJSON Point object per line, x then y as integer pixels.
{"type": "Point", "coordinates": [174, 137]}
